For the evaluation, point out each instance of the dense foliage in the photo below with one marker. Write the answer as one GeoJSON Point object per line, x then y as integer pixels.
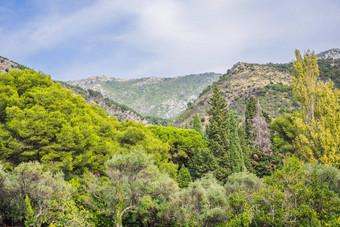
{"type": "Point", "coordinates": [66, 163]}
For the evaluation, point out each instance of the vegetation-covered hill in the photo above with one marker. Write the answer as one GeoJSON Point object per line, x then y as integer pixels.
{"type": "Point", "coordinates": [152, 96]}
{"type": "Point", "coordinates": [270, 83]}
{"type": "Point", "coordinates": [112, 108]}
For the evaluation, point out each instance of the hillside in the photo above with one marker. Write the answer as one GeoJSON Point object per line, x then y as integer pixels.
{"type": "Point", "coordinates": [152, 96]}
{"type": "Point", "coordinates": [7, 65]}
{"type": "Point", "coordinates": [270, 83]}
{"type": "Point", "coordinates": [112, 108]}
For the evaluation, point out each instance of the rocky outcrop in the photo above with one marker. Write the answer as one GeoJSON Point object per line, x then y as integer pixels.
{"type": "Point", "coordinates": [333, 54]}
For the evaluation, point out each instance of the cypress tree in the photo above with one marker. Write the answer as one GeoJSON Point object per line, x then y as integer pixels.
{"type": "Point", "coordinates": [197, 124]}
{"type": "Point", "coordinates": [247, 152]}
{"type": "Point", "coordinates": [250, 113]}
{"type": "Point", "coordinates": [218, 134]}
{"type": "Point", "coordinates": [184, 177]}
{"type": "Point", "coordinates": [236, 153]}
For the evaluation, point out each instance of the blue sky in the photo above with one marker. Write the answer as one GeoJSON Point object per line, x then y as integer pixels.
{"type": "Point", "coordinates": [139, 38]}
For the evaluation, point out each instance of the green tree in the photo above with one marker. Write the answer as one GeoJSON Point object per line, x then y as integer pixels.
{"type": "Point", "coordinates": [218, 134]}
{"type": "Point", "coordinates": [39, 196]}
{"type": "Point", "coordinates": [319, 137]}
{"type": "Point", "coordinates": [284, 133]}
{"type": "Point", "coordinates": [184, 177]}
{"type": "Point", "coordinates": [182, 143]}
{"type": "Point", "coordinates": [247, 151]}
{"type": "Point", "coordinates": [197, 124]}
{"type": "Point", "coordinates": [133, 184]}
{"type": "Point", "coordinates": [202, 203]}
{"type": "Point", "coordinates": [236, 153]}
{"type": "Point", "coordinates": [250, 113]}
{"type": "Point", "coordinates": [202, 162]}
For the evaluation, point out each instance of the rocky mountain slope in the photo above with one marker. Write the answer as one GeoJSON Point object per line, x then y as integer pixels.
{"type": "Point", "coordinates": [333, 54]}
{"type": "Point", "coordinates": [152, 96]}
{"type": "Point", "coordinates": [7, 65]}
{"type": "Point", "coordinates": [270, 83]}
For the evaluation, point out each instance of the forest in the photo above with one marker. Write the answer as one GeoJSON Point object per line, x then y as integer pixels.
{"type": "Point", "coordinates": [67, 163]}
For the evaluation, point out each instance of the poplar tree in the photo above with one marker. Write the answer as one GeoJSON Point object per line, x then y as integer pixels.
{"type": "Point", "coordinates": [319, 138]}
{"type": "Point", "coordinates": [236, 153]}
{"type": "Point", "coordinates": [197, 124]}
{"type": "Point", "coordinates": [218, 134]}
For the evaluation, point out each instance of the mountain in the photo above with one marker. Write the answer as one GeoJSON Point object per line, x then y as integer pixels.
{"type": "Point", "coordinates": [151, 96]}
{"type": "Point", "coordinates": [333, 54]}
{"type": "Point", "coordinates": [270, 83]}
{"type": "Point", "coordinates": [112, 108]}
{"type": "Point", "coordinates": [7, 65]}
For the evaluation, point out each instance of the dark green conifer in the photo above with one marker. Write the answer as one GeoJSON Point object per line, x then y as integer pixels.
{"type": "Point", "coordinates": [250, 113]}
{"type": "Point", "coordinates": [218, 134]}
{"type": "Point", "coordinates": [202, 162]}
{"type": "Point", "coordinates": [247, 152]}
{"type": "Point", "coordinates": [236, 153]}
{"type": "Point", "coordinates": [184, 177]}
{"type": "Point", "coordinates": [197, 124]}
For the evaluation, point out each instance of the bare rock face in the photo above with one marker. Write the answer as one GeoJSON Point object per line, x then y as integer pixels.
{"type": "Point", "coordinates": [7, 65]}
{"type": "Point", "coordinates": [333, 54]}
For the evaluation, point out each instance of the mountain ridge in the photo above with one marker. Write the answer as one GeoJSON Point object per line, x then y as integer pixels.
{"type": "Point", "coordinates": [151, 96]}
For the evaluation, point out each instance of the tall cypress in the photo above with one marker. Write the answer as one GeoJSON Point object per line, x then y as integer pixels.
{"type": "Point", "coordinates": [218, 134]}
{"type": "Point", "coordinates": [236, 153]}
{"type": "Point", "coordinates": [247, 151]}
{"type": "Point", "coordinates": [250, 113]}
{"type": "Point", "coordinates": [197, 124]}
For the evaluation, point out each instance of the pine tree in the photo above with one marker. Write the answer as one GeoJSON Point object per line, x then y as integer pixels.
{"type": "Point", "coordinates": [202, 162]}
{"type": "Point", "coordinates": [261, 133]}
{"type": "Point", "coordinates": [319, 138]}
{"type": "Point", "coordinates": [218, 134]}
{"type": "Point", "coordinates": [184, 177]}
{"type": "Point", "coordinates": [236, 153]}
{"type": "Point", "coordinates": [197, 124]}
{"type": "Point", "coordinates": [250, 113]}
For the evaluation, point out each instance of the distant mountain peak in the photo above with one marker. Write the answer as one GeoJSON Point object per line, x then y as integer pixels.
{"type": "Point", "coordinates": [330, 54]}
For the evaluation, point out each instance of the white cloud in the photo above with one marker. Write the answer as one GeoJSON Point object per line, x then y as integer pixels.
{"type": "Point", "coordinates": [173, 37]}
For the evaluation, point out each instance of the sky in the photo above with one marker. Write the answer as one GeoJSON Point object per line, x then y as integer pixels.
{"type": "Point", "coordinates": [76, 39]}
